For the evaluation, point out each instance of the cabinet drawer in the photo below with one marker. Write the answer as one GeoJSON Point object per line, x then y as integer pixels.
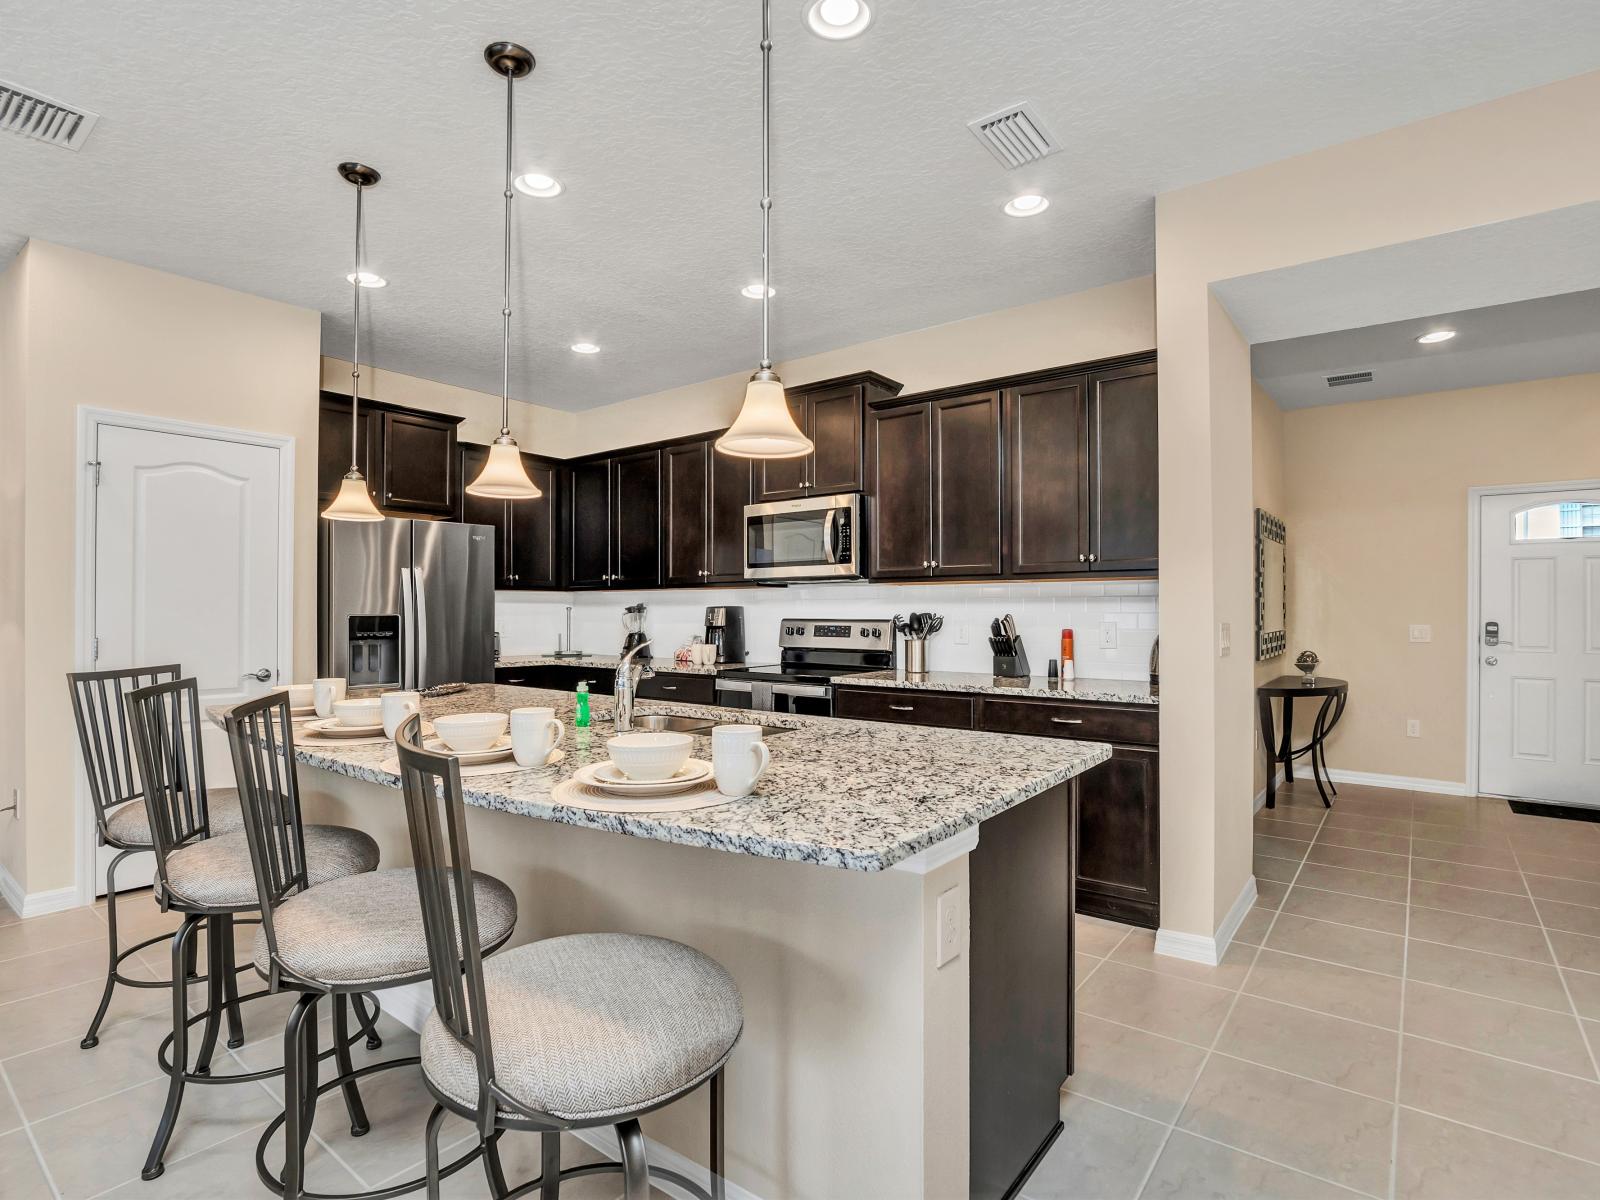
{"type": "Point", "coordinates": [689, 689]}
{"type": "Point", "coordinates": [1128, 724]}
{"type": "Point", "coordinates": [906, 708]}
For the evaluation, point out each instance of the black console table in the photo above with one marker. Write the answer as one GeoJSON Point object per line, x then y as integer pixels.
{"type": "Point", "coordinates": [1281, 751]}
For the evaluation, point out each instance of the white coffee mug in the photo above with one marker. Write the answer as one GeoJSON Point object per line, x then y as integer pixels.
{"type": "Point", "coordinates": [397, 706]}
{"type": "Point", "coordinates": [738, 758]}
{"type": "Point", "coordinates": [324, 692]}
{"type": "Point", "coordinates": [301, 695]}
{"type": "Point", "coordinates": [708, 654]}
{"type": "Point", "coordinates": [535, 732]}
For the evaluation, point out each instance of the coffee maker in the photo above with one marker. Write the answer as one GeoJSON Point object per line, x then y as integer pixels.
{"type": "Point", "coordinates": [633, 622]}
{"type": "Point", "coordinates": [725, 631]}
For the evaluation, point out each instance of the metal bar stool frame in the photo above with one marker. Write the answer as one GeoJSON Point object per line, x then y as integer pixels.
{"type": "Point", "coordinates": [442, 859]}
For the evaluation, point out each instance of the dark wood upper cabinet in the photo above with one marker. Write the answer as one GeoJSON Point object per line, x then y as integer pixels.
{"type": "Point", "coordinates": [900, 525]}
{"type": "Point", "coordinates": [419, 463]}
{"type": "Point", "coordinates": [1047, 460]}
{"type": "Point", "coordinates": [685, 480]}
{"type": "Point", "coordinates": [731, 486]}
{"type": "Point", "coordinates": [1123, 472]}
{"type": "Point", "coordinates": [785, 478]}
{"type": "Point", "coordinates": [636, 515]}
{"type": "Point", "coordinates": [333, 447]}
{"type": "Point", "coordinates": [525, 531]}
{"type": "Point", "coordinates": [589, 500]}
{"type": "Point", "coordinates": [967, 499]}
{"type": "Point", "coordinates": [831, 413]}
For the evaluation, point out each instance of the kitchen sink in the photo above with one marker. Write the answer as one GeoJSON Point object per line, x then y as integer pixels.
{"type": "Point", "coordinates": [672, 723]}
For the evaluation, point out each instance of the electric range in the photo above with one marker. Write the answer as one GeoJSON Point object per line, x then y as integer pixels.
{"type": "Point", "coordinates": [812, 654]}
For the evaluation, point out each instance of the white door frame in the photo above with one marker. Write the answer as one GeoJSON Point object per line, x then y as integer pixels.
{"type": "Point", "coordinates": [89, 422]}
{"type": "Point", "coordinates": [1475, 497]}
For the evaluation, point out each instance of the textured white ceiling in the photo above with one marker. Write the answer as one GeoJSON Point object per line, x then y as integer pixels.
{"type": "Point", "coordinates": [221, 122]}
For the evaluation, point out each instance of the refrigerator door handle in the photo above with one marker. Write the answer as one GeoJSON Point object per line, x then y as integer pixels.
{"type": "Point", "coordinates": [408, 627]}
{"type": "Point", "coordinates": [419, 603]}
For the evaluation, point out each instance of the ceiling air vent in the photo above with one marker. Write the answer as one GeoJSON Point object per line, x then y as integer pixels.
{"type": "Point", "coordinates": [1014, 135]}
{"type": "Point", "coordinates": [46, 120]}
{"type": "Point", "coordinates": [1348, 378]}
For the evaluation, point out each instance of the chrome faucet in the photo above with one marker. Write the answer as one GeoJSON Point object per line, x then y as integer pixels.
{"type": "Point", "coordinates": [628, 675]}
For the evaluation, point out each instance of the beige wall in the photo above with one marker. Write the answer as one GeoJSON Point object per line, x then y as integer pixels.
{"type": "Point", "coordinates": [13, 420]}
{"type": "Point", "coordinates": [1268, 492]}
{"type": "Point", "coordinates": [1378, 542]}
{"type": "Point", "coordinates": [1512, 157]}
{"type": "Point", "coordinates": [109, 334]}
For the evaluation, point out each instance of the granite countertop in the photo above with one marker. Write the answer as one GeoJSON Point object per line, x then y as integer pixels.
{"type": "Point", "coordinates": [608, 662]}
{"type": "Point", "coordinates": [1103, 691]}
{"type": "Point", "coordinates": [857, 795]}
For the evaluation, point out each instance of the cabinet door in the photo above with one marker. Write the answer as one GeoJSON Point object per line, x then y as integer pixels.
{"type": "Point", "coordinates": [333, 449]}
{"type": "Point", "coordinates": [419, 464]}
{"type": "Point", "coordinates": [636, 518]}
{"type": "Point", "coordinates": [684, 497]}
{"type": "Point", "coordinates": [834, 424]}
{"type": "Point", "coordinates": [1119, 837]}
{"type": "Point", "coordinates": [478, 510]}
{"type": "Point", "coordinates": [589, 558]}
{"type": "Point", "coordinates": [966, 485]}
{"type": "Point", "coordinates": [1123, 470]}
{"type": "Point", "coordinates": [730, 492]}
{"type": "Point", "coordinates": [785, 478]}
{"type": "Point", "coordinates": [900, 523]}
{"type": "Point", "coordinates": [1047, 477]}
{"type": "Point", "coordinates": [530, 531]}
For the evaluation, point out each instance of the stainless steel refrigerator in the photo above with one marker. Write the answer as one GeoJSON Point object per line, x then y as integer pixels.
{"type": "Point", "coordinates": [405, 603]}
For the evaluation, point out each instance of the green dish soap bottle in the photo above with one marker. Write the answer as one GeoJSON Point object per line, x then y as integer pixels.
{"type": "Point", "coordinates": [582, 721]}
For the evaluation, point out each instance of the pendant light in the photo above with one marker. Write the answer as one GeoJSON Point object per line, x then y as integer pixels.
{"type": "Point", "coordinates": [503, 476]}
{"type": "Point", "coordinates": [353, 501]}
{"type": "Point", "coordinates": [765, 427]}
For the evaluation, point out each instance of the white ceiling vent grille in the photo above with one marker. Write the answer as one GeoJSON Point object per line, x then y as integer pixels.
{"type": "Point", "coordinates": [1014, 135]}
{"type": "Point", "coordinates": [1348, 378]}
{"type": "Point", "coordinates": [46, 120]}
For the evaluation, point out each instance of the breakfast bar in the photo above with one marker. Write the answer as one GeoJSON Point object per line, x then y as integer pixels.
{"type": "Point", "coordinates": [894, 902]}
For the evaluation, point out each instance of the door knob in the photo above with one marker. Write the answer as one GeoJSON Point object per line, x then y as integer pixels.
{"type": "Point", "coordinates": [1491, 661]}
{"type": "Point", "coordinates": [261, 676]}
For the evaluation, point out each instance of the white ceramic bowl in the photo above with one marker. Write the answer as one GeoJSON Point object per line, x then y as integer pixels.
{"type": "Point", "coordinates": [467, 732]}
{"type": "Point", "coordinates": [650, 756]}
{"type": "Point", "coordinates": [358, 712]}
{"type": "Point", "coordinates": [301, 695]}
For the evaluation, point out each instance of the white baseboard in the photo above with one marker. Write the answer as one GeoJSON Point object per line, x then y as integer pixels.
{"type": "Point", "coordinates": [1445, 787]}
{"type": "Point", "coordinates": [1196, 947]}
{"type": "Point", "coordinates": [37, 904]}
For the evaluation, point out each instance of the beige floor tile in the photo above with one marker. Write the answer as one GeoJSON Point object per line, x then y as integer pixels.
{"type": "Point", "coordinates": [63, 1076]}
{"type": "Point", "coordinates": [1083, 966]}
{"type": "Point", "coordinates": [1397, 826]}
{"type": "Point", "coordinates": [1529, 1035]}
{"type": "Point", "coordinates": [1366, 796]}
{"type": "Point", "coordinates": [20, 1175]}
{"type": "Point", "coordinates": [1252, 930]}
{"type": "Point", "coordinates": [1139, 950]}
{"type": "Point", "coordinates": [1277, 847]}
{"type": "Point", "coordinates": [1486, 879]}
{"type": "Point", "coordinates": [1355, 883]}
{"type": "Point", "coordinates": [1279, 870]}
{"type": "Point", "coordinates": [1278, 825]}
{"type": "Point", "coordinates": [1569, 891]}
{"type": "Point", "coordinates": [1332, 1050]}
{"type": "Point", "coordinates": [1572, 918]}
{"type": "Point", "coordinates": [1345, 944]}
{"type": "Point", "coordinates": [64, 1014]}
{"type": "Point", "coordinates": [519, 1152]}
{"type": "Point", "coordinates": [1192, 1168]}
{"type": "Point", "coordinates": [1508, 1098]}
{"type": "Point", "coordinates": [1361, 839]}
{"type": "Point", "coordinates": [397, 1104]}
{"type": "Point", "coordinates": [48, 970]}
{"type": "Point", "coordinates": [1102, 1151]}
{"type": "Point", "coordinates": [1163, 1004]}
{"type": "Point", "coordinates": [1576, 950]}
{"type": "Point", "coordinates": [1479, 933]}
{"type": "Point", "coordinates": [1440, 1160]}
{"type": "Point", "coordinates": [1497, 906]}
{"type": "Point", "coordinates": [1560, 867]}
{"type": "Point", "coordinates": [139, 917]}
{"type": "Point", "coordinates": [228, 1169]}
{"type": "Point", "coordinates": [7, 915]}
{"type": "Point", "coordinates": [1270, 893]}
{"type": "Point", "coordinates": [1382, 915]}
{"type": "Point", "coordinates": [1095, 936]}
{"type": "Point", "coordinates": [1326, 987]}
{"type": "Point", "coordinates": [52, 932]}
{"type": "Point", "coordinates": [1358, 860]}
{"type": "Point", "coordinates": [1459, 836]}
{"type": "Point", "coordinates": [1511, 979]}
{"type": "Point", "coordinates": [10, 1118]}
{"type": "Point", "coordinates": [1476, 856]}
{"type": "Point", "coordinates": [1133, 1069]}
{"type": "Point", "coordinates": [1585, 991]}
{"type": "Point", "coordinates": [120, 1128]}
{"type": "Point", "coordinates": [1333, 1134]}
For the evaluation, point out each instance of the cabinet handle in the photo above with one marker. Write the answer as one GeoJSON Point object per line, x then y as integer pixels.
{"type": "Point", "coordinates": [665, 687]}
{"type": "Point", "coordinates": [902, 708]}
{"type": "Point", "coordinates": [1094, 557]}
{"type": "Point", "coordinates": [1065, 721]}
{"type": "Point", "coordinates": [924, 563]}
{"type": "Point", "coordinates": [1083, 558]}
{"type": "Point", "coordinates": [934, 563]}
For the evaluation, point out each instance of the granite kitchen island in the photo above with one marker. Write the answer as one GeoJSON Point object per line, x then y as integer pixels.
{"type": "Point", "coordinates": [879, 1057]}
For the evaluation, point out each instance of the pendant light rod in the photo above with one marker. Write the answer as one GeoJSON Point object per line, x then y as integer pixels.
{"type": "Point", "coordinates": [355, 353]}
{"type": "Point", "coordinates": [505, 307]}
{"type": "Point", "coordinates": [353, 501]}
{"type": "Point", "coordinates": [766, 178]}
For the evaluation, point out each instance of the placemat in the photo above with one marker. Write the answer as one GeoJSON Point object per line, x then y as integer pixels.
{"type": "Point", "coordinates": [575, 795]}
{"type": "Point", "coordinates": [504, 767]}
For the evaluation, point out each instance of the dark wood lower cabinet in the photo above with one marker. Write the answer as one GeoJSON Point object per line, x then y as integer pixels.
{"type": "Point", "coordinates": [564, 677]}
{"type": "Point", "coordinates": [910, 707]}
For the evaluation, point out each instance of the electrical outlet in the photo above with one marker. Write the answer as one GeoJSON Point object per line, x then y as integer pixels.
{"type": "Point", "coordinates": [1224, 640]}
{"type": "Point", "coordinates": [1413, 727]}
{"type": "Point", "coordinates": [1108, 635]}
{"type": "Point", "coordinates": [949, 915]}
{"type": "Point", "coordinates": [1422, 633]}
{"type": "Point", "coordinates": [961, 633]}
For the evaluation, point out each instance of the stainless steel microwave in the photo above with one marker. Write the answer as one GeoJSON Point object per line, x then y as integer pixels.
{"type": "Point", "coordinates": [816, 537]}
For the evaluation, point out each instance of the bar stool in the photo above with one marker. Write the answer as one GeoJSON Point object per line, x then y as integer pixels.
{"type": "Point", "coordinates": [341, 938]}
{"type": "Point", "coordinates": [208, 877]}
{"type": "Point", "coordinates": [99, 706]}
{"type": "Point", "coordinates": [567, 1033]}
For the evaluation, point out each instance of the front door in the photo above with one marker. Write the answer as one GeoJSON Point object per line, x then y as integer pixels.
{"type": "Point", "coordinates": [187, 570]}
{"type": "Point", "coordinates": [1538, 646]}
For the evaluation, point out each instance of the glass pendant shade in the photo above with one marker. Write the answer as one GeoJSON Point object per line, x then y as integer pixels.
{"type": "Point", "coordinates": [503, 476]}
{"type": "Point", "coordinates": [353, 502]}
{"type": "Point", "coordinates": [765, 427]}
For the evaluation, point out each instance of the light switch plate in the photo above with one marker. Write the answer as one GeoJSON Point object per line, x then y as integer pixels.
{"type": "Point", "coordinates": [950, 917]}
{"type": "Point", "coordinates": [961, 633]}
{"type": "Point", "coordinates": [1422, 633]}
{"type": "Point", "coordinates": [1108, 635]}
{"type": "Point", "coordinates": [1224, 640]}
{"type": "Point", "coordinates": [1413, 727]}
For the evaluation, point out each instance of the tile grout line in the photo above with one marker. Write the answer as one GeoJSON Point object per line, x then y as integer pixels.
{"type": "Point", "coordinates": [27, 1132]}
{"type": "Point", "coordinates": [1400, 1031]}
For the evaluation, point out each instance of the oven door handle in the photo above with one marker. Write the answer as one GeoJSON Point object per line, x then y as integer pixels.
{"type": "Point", "coordinates": [807, 690]}
{"type": "Point", "coordinates": [732, 685]}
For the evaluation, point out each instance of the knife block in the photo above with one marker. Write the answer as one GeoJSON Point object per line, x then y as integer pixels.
{"type": "Point", "coordinates": [1012, 666]}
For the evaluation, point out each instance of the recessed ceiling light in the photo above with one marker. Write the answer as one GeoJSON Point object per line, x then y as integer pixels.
{"type": "Point", "coordinates": [1029, 205]}
{"type": "Point", "coordinates": [367, 279]}
{"type": "Point", "coordinates": [538, 184]}
{"type": "Point", "coordinates": [1437, 335]}
{"type": "Point", "coordinates": [585, 348]}
{"type": "Point", "coordinates": [753, 291]}
{"type": "Point", "coordinates": [838, 19]}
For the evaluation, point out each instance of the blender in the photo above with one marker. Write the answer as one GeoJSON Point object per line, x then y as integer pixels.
{"type": "Point", "coordinates": [633, 624]}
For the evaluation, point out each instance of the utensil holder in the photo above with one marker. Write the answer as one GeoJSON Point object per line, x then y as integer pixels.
{"type": "Point", "coordinates": [916, 656]}
{"type": "Point", "coordinates": [1012, 666]}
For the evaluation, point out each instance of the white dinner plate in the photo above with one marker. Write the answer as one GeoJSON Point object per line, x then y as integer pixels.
{"type": "Point", "coordinates": [471, 758]}
{"type": "Point", "coordinates": [608, 777]}
{"type": "Point", "coordinates": [303, 712]}
{"type": "Point", "coordinates": [335, 728]}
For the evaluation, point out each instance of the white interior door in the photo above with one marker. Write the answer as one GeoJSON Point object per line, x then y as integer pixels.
{"type": "Point", "coordinates": [1538, 646]}
{"type": "Point", "coordinates": [186, 570]}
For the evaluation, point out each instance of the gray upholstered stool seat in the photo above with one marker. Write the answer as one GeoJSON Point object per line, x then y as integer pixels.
{"type": "Point", "coordinates": [217, 872]}
{"type": "Point", "coordinates": [129, 824]}
{"type": "Point", "coordinates": [367, 929]}
{"type": "Point", "coordinates": [594, 1025]}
